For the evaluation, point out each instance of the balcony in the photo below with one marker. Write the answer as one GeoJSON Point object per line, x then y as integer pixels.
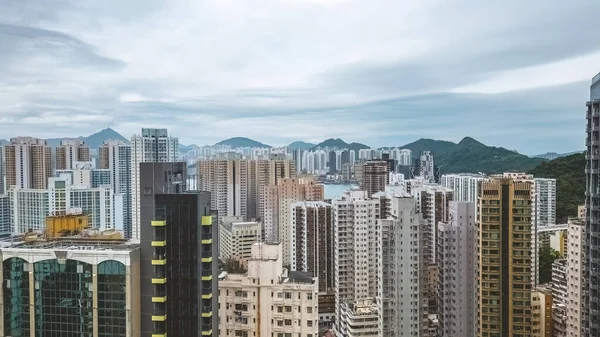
{"type": "Point", "coordinates": [207, 221]}
{"type": "Point", "coordinates": [159, 299]}
{"type": "Point", "coordinates": [159, 334]}
{"type": "Point", "coordinates": [158, 223]}
{"type": "Point", "coordinates": [206, 239]}
{"type": "Point", "coordinates": [159, 261]}
{"type": "Point", "coordinates": [159, 280]}
{"type": "Point", "coordinates": [207, 296]}
{"type": "Point", "coordinates": [207, 276]}
{"type": "Point", "coordinates": [159, 243]}
{"type": "Point", "coordinates": [207, 257]}
{"type": "Point", "coordinates": [159, 318]}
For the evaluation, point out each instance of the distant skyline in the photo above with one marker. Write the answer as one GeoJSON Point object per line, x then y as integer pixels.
{"type": "Point", "coordinates": [512, 74]}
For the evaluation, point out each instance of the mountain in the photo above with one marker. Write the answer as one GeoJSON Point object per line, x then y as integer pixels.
{"type": "Point", "coordinates": [554, 155]}
{"type": "Point", "coordinates": [94, 141]}
{"type": "Point", "coordinates": [236, 142]}
{"type": "Point", "coordinates": [187, 148]}
{"type": "Point", "coordinates": [300, 145]}
{"type": "Point", "coordinates": [471, 156]}
{"type": "Point", "coordinates": [569, 172]}
{"type": "Point", "coordinates": [340, 144]}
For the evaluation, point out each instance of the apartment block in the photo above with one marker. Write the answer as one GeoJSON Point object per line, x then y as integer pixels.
{"type": "Point", "coordinates": [70, 287]}
{"type": "Point", "coordinates": [592, 202]}
{"type": "Point", "coordinates": [465, 186]}
{"type": "Point", "coordinates": [5, 219]}
{"type": "Point", "coordinates": [29, 209]}
{"type": "Point", "coordinates": [358, 318]}
{"type": "Point", "coordinates": [456, 258]}
{"type": "Point", "coordinates": [278, 202]}
{"type": "Point", "coordinates": [151, 146]}
{"type": "Point", "coordinates": [577, 284]}
{"type": "Point", "coordinates": [179, 255]}
{"type": "Point", "coordinates": [28, 163]}
{"type": "Point", "coordinates": [544, 202]}
{"type": "Point", "coordinates": [236, 238]}
{"type": "Point", "coordinates": [3, 189]}
{"type": "Point", "coordinates": [504, 228]}
{"type": "Point", "coordinates": [237, 186]}
{"type": "Point", "coordinates": [115, 156]}
{"type": "Point", "coordinates": [355, 216]}
{"type": "Point", "coordinates": [426, 166]}
{"type": "Point", "coordinates": [433, 202]}
{"type": "Point", "coordinates": [558, 288]}
{"type": "Point", "coordinates": [401, 269]}
{"type": "Point", "coordinates": [312, 241]}
{"type": "Point", "coordinates": [268, 300]}
{"type": "Point", "coordinates": [541, 313]}
{"type": "Point", "coordinates": [70, 152]}
{"type": "Point", "coordinates": [375, 176]}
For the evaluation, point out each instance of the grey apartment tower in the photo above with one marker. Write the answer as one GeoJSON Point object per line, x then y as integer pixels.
{"type": "Point", "coordinates": [179, 255]}
{"type": "Point", "coordinates": [592, 203]}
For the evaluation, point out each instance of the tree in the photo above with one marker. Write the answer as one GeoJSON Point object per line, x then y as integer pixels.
{"type": "Point", "coordinates": [547, 256]}
{"type": "Point", "coordinates": [234, 266]}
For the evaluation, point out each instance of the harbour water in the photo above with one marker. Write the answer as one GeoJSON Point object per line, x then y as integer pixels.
{"type": "Point", "coordinates": [333, 191]}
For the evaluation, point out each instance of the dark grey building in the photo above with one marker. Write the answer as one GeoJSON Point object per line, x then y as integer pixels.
{"type": "Point", "coordinates": [179, 255]}
{"type": "Point", "coordinates": [592, 204]}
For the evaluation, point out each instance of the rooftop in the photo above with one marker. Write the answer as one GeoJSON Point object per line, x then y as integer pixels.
{"type": "Point", "coordinates": [72, 243]}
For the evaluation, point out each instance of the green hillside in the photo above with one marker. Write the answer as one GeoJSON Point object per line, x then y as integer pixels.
{"type": "Point", "coordinates": [569, 173]}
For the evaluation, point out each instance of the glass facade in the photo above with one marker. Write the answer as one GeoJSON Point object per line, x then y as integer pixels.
{"type": "Point", "coordinates": [63, 298]}
{"type": "Point", "coordinates": [16, 297]}
{"type": "Point", "coordinates": [112, 315]}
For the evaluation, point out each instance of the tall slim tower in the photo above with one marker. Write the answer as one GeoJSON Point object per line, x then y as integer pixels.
{"type": "Point", "coordinates": [592, 203]}
{"type": "Point", "coordinates": [116, 157]}
{"type": "Point", "coordinates": [179, 255]}
{"type": "Point", "coordinates": [2, 172]}
{"type": "Point", "coordinates": [151, 146]}
{"type": "Point", "coordinates": [69, 152]}
{"type": "Point", "coordinates": [28, 163]}
{"type": "Point", "coordinates": [504, 251]}
{"type": "Point", "coordinates": [426, 166]}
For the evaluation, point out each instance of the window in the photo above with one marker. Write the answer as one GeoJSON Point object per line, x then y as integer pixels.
{"type": "Point", "coordinates": [309, 310]}
{"type": "Point", "coordinates": [309, 324]}
{"type": "Point", "coordinates": [309, 296]}
{"type": "Point", "coordinates": [288, 322]}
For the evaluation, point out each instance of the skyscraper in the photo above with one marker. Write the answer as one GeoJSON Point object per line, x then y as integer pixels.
{"type": "Point", "coordinates": [2, 172]}
{"type": "Point", "coordinates": [592, 204]}
{"type": "Point", "coordinates": [375, 176]}
{"type": "Point", "coordinates": [504, 251]}
{"type": "Point", "coordinates": [457, 265]}
{"type": "Point", "coordinates": [179, 255]}
{"type": "Point", "coordinates": [69, 152]}
{"type": "Point", "coordinates": [115, 156]}
{"type": "Point", "coordinates": [426, 166]}
{"type": "Point", "coordinates": [28, 163]}
{"type": "Point", "coordinates": [151, 146]}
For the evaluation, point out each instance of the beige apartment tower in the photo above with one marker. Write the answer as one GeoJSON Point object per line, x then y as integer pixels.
{"type": "Point", "coordinates": [375, 176]}
{"type": "Point", "coordinates": [69, 152]}
{"type": "Point", "coordinates": [237, 185]}
{"type": "Point", "coordinates": [28, 163]}
{"type": "Point", "coordinates": [504, 253]}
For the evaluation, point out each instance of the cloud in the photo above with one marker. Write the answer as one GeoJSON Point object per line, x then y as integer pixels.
{"type": "Point", "coordinates": [513, 74]}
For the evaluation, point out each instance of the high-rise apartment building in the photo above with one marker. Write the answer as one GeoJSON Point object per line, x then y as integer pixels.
{"type": "Point", "coordinates": [237, 186]}
{"type": "Point", "coordinates": [28, 209]}
{"type": "Point", "coordinates": [115, 156]}
{"type": "Point", "coordinates": [28, 163]}
{"type": "Point", "coordinates": [504, 252]}
{"type": "Point", "coordinates": [236, 238]}
{"type": "Point", "coordinates": [401, 268]}
{"type": "Point", "coordinates": [5, 227]}
{"type": "Point", "coordinates": [268, 300]}
{"type": "Point", "coordinates": [433, 202]}
{"type": "Point", "coordinates": [69, 152]}
{"type": "Point", "coordinates": [312, 241]}
{"type": "Point", "coordinates": [179, 255]}
{"type": "Point", "coordinates": [544, 202]}
{"type": "Point", "coordinates": [355, 248]}
{"type": "Point", "coordinates": [465, 186]}
{"type": "Point", "coordinates": [151, 146]}
{"type": "Point", "coordinates": [70, 287]}
{"type": "Point", "coordinates": [457, 265]}
{"type": "Point", "coordinates": [375, 176]}
{"type": "Point", "coordinates": [592, 204]}
{"type": "Point", "coordinates": [541, 312]}
{"type": "Point", "coordinates": [2, 172]}
{"type": "Point", "coordinates": [577, 283]}
{"type": "Point", "coordinates": [426, 166]}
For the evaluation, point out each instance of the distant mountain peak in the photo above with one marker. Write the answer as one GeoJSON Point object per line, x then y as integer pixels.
{"type": "Point", "coordinates": [300, 145]}
{"type": "Point", "coordinates": [470, 141]}
{"type": "Point", "coordinates": [237, 142]}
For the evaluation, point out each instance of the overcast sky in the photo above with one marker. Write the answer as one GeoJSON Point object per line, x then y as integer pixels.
{"type": "Point", "coordinates": [509, 73]}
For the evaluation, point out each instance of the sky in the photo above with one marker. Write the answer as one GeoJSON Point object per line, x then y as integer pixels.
{"type": "Point", "coordinates": [508, 73]}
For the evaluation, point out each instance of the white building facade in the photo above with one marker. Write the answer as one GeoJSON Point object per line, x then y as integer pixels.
{"type": "Point", "coordinates": [236, 238]}
{"type": "Point", "coordinates": [155, 146]}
